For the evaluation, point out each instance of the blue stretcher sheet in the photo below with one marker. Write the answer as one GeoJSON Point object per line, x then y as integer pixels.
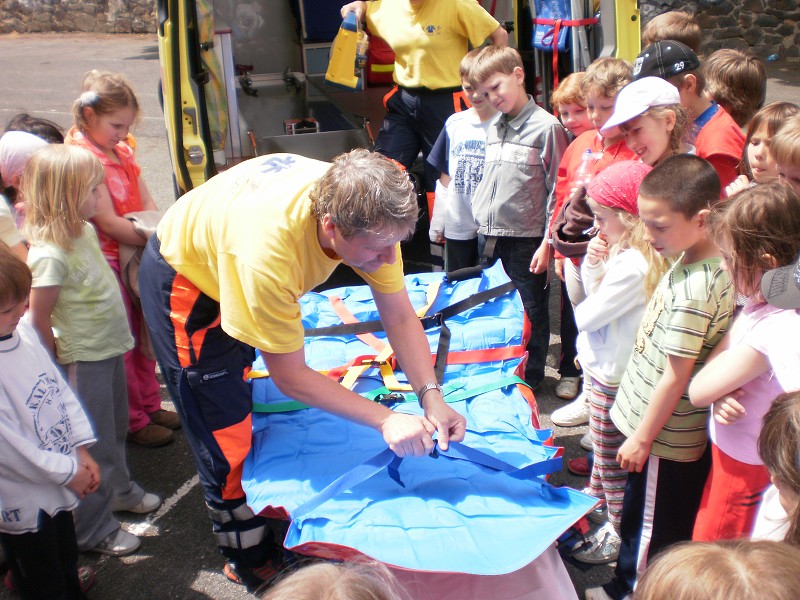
{"type": "Point", "coordinates": [446, 515]}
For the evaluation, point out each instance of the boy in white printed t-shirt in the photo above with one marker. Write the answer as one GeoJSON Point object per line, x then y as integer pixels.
{"type": "Point", "coordinates": [459, 154]}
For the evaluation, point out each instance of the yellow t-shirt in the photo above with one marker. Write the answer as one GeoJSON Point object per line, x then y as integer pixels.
{"type": "Point", "coordinates": [247, 239]}
{"type": "Point", "coordinates": [429, 39]}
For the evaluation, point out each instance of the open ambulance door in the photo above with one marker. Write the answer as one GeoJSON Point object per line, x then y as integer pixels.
{"type": "Point", "coordinates": [182, 87]}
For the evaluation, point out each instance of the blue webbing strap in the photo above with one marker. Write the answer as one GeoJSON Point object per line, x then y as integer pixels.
{"type": "Point", "coordinates": [390, 460]}
{"type": "Point", "coordinates": [457, 451]}
{"type": "Point", "coordinates": [350, 479]}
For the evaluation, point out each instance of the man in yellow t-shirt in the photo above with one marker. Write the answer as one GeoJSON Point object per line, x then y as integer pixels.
{"type": "Point", "coordinates": [429, 39]}
{"type": "Point", "coordinates": [224, 275]}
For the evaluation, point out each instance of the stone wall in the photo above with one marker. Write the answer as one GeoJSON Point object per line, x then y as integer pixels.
{"type": "Point", "coordinates": [95, 16]}
{"type": "Point", "coordinates": [765, 27]}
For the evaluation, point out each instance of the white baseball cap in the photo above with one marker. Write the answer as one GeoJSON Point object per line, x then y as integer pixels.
{"type": "Point", "coordinates": [637, 97]}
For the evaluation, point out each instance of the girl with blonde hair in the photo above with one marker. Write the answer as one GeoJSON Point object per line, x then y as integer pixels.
{"type": "Point", "coordinates": [76, 307]}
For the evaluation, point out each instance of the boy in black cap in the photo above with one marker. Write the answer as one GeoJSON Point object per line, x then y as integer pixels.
{"type": "Point", "coordinates": [719, 139]}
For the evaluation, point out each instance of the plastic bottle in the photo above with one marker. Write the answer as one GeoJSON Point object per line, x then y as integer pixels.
{"type": "Point", "coordinates": [362, 47]}
{"type": "Point", "coordinates": [584, 175]}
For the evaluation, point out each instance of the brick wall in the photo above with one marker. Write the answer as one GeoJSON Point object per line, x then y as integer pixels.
{"type": "Point", "coordinates": [765, 27]}
{"type": "Point", "coordinates": [98, 16]}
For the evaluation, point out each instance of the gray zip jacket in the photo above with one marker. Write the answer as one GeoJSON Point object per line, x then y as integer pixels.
{"type": "Point", "coordinates": [515, 198]}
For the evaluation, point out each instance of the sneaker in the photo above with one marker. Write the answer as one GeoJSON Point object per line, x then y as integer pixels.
{"type": "Point", "coordinates": [118, 543]}
{"type": "Point", "coordinates": [586, 441]}
{"type": "Point", "coordinates": [148, 504]}
{"type": "Point", "coordinates": [152, 436]}
{"type": "Point", "coordinates": [599, 515]}
{"type": "Point", "coordinates": [165, 418]}
{"type": "Point", "coordinates": [581, 466]}
{"type": "Point", "coordinates": [255, 579]}
{"type": "Point", "coordinates": [573, 414]}
{"type": "Point", "coordinates": [86, 578]}
{"type": "Point", "coordinates": [603, 547]}
{"type": "Point", "coordinates": [597, 593]}
{"type": "Point", "coordinates": [568, 387]}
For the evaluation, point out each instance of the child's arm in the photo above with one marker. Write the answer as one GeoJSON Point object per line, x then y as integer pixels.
{"type": "Point", "coordinates": [146, 197]}
{"type": "Point", "coordinates": [439, 217]}
{"type": "Point", "coordinates": [726, 372]}
{"type": "Point", "coordinates": [635, 450]}
{"type": "Point", "coordinates": [111, 224]}
{"type": "Point", "coordinates": [42, 303]}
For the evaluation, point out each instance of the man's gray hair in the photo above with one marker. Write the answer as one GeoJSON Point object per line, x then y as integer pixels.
{"type": "Point", "coordinates": [365, 192]}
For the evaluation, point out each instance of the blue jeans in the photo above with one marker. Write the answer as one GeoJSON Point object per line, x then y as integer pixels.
{"type": "Point", "coordinates": [516, 253]}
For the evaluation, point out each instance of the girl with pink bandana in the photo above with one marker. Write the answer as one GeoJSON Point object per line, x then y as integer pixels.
{"type": "Point", "coordinates": [619, 274]}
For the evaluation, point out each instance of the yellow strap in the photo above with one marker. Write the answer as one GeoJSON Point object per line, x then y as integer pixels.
{"type": "Point", "coordinates": [390, 380]}
{"type": "Point", "coordinates": [356, 371]}
{"type": "Point", "coordinates": [433, 291]}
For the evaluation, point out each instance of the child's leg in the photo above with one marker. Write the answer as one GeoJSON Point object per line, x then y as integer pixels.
{"type": "Point", "coordinates": [569, 335]}
{"type": "Point", "coordinates": [731, 499]}
{"type": "Point", "coordinates": [460, 254]}
{"type": "Point", "coordinates": [99, 385]}
{"type": "Point", "coordinates": [659, 509]}
{"type": "Point", "coordinates": [516, 255]}
{"type": "Point", "coordinates": [608, 479]}
{"type": "Point", "coordinates": [144, 391]}
{"type": "Point", "coordinates": [44, 563]}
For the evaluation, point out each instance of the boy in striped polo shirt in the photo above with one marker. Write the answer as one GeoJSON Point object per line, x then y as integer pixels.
{"type": "Point", "coordinates": [666, 447]}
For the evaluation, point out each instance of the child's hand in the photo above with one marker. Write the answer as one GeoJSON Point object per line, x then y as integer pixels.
{"type": "Point", "coordinates": [87, 462]}
{"type": "Point", "coordinates": [437, 237]}
{"type": "Point", "coordinates": [597, 250]}
{"type": "Point", "coordinates": [633, 454]}
{"type": "Point", "coordinates": [82, 481]}
{"type": "Point", "coordinates": [737, 185]}
{"type": "Point", "coordinates": [727, 410]}
{"type": "Point", "coordinates": [558, 268]}
{"type": "Point", "coordinates": [541, 259]}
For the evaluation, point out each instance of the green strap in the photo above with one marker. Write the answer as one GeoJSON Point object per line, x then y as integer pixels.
{"type": "Point", "coordinates": [450, 395]}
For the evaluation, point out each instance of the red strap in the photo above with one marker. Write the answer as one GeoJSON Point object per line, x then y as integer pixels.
{"type": "Point", "coordinates": [557, 24]}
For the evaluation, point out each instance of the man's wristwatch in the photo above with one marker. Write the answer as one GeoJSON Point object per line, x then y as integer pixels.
{"type": "Point", "coordinates": [427, 388]}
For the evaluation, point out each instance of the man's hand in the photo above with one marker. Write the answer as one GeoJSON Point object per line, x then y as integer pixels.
{"type": "Point", "coordinates": [633, 454]}
{"type": "Point", "coordinates": [360, 8]}
{"type": "Point", "coordinates": [450, 425]}
{"type": "Point", "coordinates": [408, 435]}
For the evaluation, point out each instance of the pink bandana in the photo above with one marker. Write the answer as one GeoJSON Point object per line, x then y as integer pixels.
{"type": "Point", "coordinates": [617, 186]}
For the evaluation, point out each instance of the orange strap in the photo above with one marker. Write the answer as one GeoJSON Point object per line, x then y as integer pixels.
{"type": "Point", "coordinates": [347, 318]}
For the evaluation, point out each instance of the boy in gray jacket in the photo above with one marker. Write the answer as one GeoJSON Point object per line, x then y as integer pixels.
{"type": "Point", "coordinates": [514, 200]}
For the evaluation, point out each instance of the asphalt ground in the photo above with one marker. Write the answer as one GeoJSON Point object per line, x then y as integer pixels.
{"type": "Point", "coordinates": [178, 559]}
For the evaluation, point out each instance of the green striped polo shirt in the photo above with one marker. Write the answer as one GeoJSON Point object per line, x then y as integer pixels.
{"type": "Point", "coordinates": [686, 317]}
